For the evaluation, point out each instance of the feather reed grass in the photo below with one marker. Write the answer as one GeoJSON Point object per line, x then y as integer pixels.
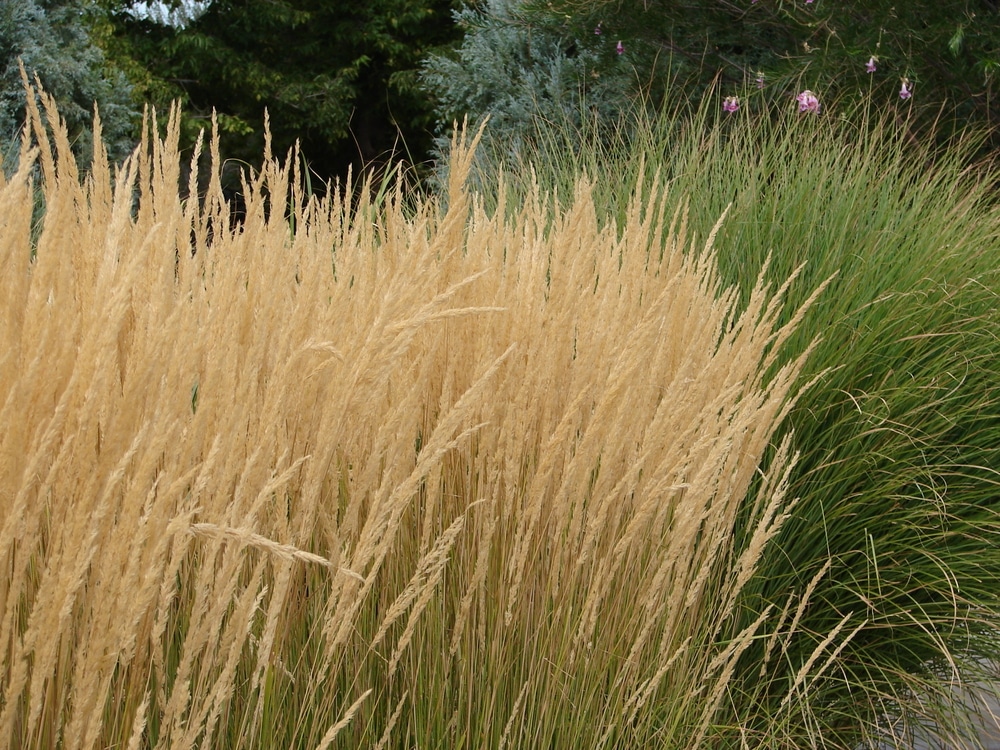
{"type": "Point", "coordinates": [368, 473]}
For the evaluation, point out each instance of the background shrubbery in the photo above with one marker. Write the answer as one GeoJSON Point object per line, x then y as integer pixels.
{"type": "Point", "coordinates": [346, 80]}
{"type": "Point", "coordinates": [54, 40]}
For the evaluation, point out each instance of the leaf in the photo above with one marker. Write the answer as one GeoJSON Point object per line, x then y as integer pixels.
{"type": "Point", "coordinates": [989, 68]}
{"type": "Point", "coordinates": [955, 43]}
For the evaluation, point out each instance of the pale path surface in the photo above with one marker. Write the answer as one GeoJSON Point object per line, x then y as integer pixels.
{"type": "Point", "coordinates": [989, 721]}
{"type": "Point", "coordinates": [986, 703]}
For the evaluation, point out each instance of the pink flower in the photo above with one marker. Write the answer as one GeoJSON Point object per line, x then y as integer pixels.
{"type": "Point", "coordinates": [620, 48]}
{"type": "Point", "coordinates": [731, 104]}
{"type": "Point", "coordinates": [905, 92]}
{"type": "Point", "coordinates": [808, 102]}
{"type": "Point", "coordinates": [598, 29]}
{"type": "Point", "coordinates": [870, 66]}
{"type": "Point", "coordinates": [808, 1]}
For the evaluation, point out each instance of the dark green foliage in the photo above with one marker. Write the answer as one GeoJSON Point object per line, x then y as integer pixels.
{"type": "Point", "coordinates": [55, 41]}
{"type": "Point", "coordinates": [899, 437]}
{"type": "Point", "coordinates": [338, 77]}
{"type": "Point", "coordinates": [949, 52]}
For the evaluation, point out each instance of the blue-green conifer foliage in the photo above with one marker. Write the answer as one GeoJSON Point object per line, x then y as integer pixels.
{"type": "Point", "coordinates": [53, 41]}
{"type": "Point", "coordinates": [524, 74]}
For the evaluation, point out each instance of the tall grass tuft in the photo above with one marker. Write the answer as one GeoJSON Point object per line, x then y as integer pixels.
{"type": "Point", "coordinates": [362, 472]}
{"type": "Point", "coordinates": [896, 530]}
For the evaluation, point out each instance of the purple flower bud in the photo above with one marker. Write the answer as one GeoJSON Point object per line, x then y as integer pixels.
{"type": "Point", "coordinates": [731, 104]}
{"type": "Point", "coordinates": [620, 48]}
{"type": "Point", "coordinates": [760, 80]}
{"type": "Point", "coordinates": [870, 66]}
{"type": "Point", "coordinates": [598, 30]}
{"type": "Point", "coordinates": [808, 102]}
{"type": "Point", "coordinates": [905, 92]}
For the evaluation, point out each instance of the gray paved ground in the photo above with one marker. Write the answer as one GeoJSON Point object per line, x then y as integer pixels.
{"type": "Point", "coordinates": [985, 702]}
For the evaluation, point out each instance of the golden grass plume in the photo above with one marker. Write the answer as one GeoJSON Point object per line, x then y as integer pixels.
{"type": "Point", "coordinates": [361, 471]}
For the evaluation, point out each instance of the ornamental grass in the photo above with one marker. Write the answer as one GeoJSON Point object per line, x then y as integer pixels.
{"type": "Point", "coordinates": [368, 472]}
{"type": "Point", "coordinates": [895, 534]}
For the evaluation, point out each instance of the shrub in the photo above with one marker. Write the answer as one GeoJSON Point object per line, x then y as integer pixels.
{"type": "Point", "coordinates": [945, 52]}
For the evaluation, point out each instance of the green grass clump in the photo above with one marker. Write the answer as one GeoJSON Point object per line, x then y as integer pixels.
{"type": "Point", "coordinates": [895, 533]}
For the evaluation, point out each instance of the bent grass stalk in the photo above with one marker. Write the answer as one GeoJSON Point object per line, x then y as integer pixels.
{"type": "Point", "coordinates": [396, 477]}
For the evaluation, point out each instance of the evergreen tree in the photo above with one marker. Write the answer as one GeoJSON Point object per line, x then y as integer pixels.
{"type": "Point", "coordinates": [527, 73]}
{"type": "Point", "coordinates": [520, 69]}
{"type": "Point", "coordinates": [55, 41]}
{"type": "Point", "coordinates": [339, 77]}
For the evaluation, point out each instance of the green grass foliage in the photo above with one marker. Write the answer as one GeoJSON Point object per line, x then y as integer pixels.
{"type": "Point", "coordinates": [896, 530]}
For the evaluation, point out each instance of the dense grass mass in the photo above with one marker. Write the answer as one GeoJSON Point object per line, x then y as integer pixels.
{"type": "Point", "coordinates": [394, 478]}
{"type": "Point", "coordinates": [511, 470]}
{"type": "Point", "coordinates": [900, 438]}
